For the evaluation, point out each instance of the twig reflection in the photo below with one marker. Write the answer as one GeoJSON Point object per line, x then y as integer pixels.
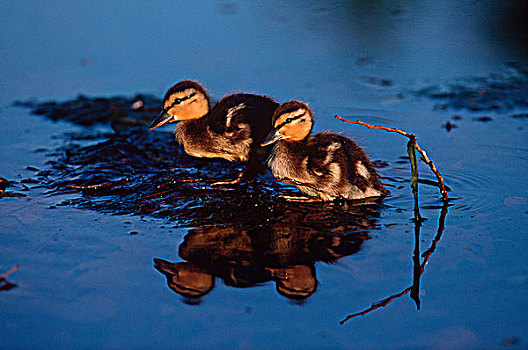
{"type": "Point", "coordinates": [418, 270]}
{"type": "Point", "coordinates": [4, 283]}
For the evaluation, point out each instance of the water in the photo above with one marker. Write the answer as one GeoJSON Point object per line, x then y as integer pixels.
{"type": "Point", "coordinates": [87, 276]}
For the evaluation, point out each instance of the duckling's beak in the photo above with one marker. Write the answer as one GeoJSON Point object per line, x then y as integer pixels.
{"type": "Point", "coordinates": [161, 119]}
{"type": "Point", "coordinates": [272, 137]}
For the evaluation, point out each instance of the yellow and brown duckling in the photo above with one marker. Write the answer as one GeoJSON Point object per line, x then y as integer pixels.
{"type": "Point", "coordinates": [232, 129]}
{"type": "Point", "coordinates": [325, 165]}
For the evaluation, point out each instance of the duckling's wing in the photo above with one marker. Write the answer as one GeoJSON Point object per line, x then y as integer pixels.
{"type": "Point", "coordinates": [323, 153]}
{"type": "Point", "coordinates": [225, 115]}
{"type": "Point", "coordinates": [232, 119]}
{"type": "Point", "coordinates": [243, 111]}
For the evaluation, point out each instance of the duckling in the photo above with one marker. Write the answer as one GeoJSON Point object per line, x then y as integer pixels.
{"type": "Point", "coordinates": [232, 129]}
{"type": "Point", "coordinates": [325, 165]}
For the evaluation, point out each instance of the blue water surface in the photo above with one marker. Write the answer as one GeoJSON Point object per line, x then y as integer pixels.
{"type": "Point", "coordinates": [84, 281]}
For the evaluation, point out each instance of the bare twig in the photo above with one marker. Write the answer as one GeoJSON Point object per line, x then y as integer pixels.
{"type": "Point", "coordinates": [377, 305]}
{"type": "Point", "coordinates": [412, 137]}
{"type": "Point", "coordinates": [60, 193]}
{"type": "Point", "coordinates": [95, 187]}
{"type": "Point", "coordinates": [89, 187]}
{"type": "Point", "coordinates": [156, 194]}
{"type": "Point", "coordinates": [411, 150]}
{"type": "Point", "coordinates": [190, 180]}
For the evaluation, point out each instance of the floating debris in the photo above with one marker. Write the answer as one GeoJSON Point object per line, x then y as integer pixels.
{"type": "Point", "coordinates": [449, 126]}
{"type": "Point", "coordinates": [3, 184]}
{"type": "Point", "coordinates": [520, 116]}
{"type": "Point", "coordinates": [375, 81]}
{"type": "Point", "coordinates": [483, 119]}
{"type": "Point", "coordinates": [3, 193]}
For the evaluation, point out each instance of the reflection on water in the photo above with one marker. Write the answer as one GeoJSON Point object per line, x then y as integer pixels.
{"type": "Point", "coordinates": [284, 252]}
{"type": "Point", "coordinates": [246, 235]}
{"type": "Point", "coordinates": [283, 248]}
{"type": "Point", "coordinates": [418, 267]}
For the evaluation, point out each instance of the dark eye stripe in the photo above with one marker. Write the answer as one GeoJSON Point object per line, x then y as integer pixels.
{"type": "Point", "coordinates": [289, 120]}
{"type": "Point", "coordinates": [180, 100]}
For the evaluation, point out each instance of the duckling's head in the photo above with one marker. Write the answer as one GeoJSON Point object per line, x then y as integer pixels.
{"type": "Point", "coordinates": [292, 121]}
{"type": "Point", "coordinates": [184, 101]}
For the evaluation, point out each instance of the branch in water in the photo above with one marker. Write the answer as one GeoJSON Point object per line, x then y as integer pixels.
{"type": "Point", "coordinates": [412, 137]}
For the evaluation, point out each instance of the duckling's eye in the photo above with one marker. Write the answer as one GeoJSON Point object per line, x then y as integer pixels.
{"type": "Point", "coordinates": [289, 120]}
{"type": "Point", "coordinates": [177, 101]}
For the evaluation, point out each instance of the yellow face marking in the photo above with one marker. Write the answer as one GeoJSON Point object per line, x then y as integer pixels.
{"type": "Point", "coordinates": [283, 117]}
{"type": "Point", "coordinates": [187, 104]}
{"type": "Point", "coordinates": [294, 125]}
{"type": "Point", "coordinates": [180, 95]}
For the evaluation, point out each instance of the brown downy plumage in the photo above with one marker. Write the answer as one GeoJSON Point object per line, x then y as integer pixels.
{"type": "Point", "coordinates": [325, 165]}
{"type": "Point", "coordinates": [232, 129]}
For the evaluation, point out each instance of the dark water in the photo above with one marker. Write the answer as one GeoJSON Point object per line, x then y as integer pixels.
{"type": "Point", "coordinates": [241, 267]}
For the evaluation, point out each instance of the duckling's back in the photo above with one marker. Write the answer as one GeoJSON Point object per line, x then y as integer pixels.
{"type": "Point", "coordinates": [235, 112]}
{"type": "Point", "coordinates": [232, 130]}
{"type": "Point", "coordinates": [356, 177]}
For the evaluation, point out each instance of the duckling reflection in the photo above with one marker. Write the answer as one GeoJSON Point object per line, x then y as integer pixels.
{"type": "Point", "coordinates": [185, 279]}
{"type": "Point", "coordinates": [284, 252]}
{"type": "Point", "coordinates": [295, 282]}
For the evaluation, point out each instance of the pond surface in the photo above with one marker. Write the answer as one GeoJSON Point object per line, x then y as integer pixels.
{"type": "Point", "coordinates": [117, 247]}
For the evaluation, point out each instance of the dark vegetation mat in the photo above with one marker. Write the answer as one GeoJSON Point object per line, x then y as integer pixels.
{"type": "Point", "coordinates": [138, 110]}
{"type": "Point", "coordinates": [131, 170]}
{"type": "Point", "coordinates": [503, 92]}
